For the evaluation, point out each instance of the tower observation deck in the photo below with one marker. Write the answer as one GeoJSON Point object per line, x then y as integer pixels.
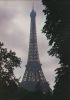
{"type": "Point", "coordinates": [33, 78]}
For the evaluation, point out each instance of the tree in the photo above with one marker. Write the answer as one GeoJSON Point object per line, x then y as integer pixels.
{"type": "Point", "coordinates": [8, 62]}
{"type": "Point", "coordinates": [62, 86]}
{"type": "Point", "coordinates": [57, 30]}
{"type": "Point", "coordinates": [30, 95]}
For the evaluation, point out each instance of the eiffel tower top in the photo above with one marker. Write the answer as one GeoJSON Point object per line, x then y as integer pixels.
{"type": "Point", "coordinates": [33, 12]}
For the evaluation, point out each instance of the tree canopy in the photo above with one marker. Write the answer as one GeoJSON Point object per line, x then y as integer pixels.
{"type": "Point", "coordinates": [8, 82]}
{"type": "Point", "coordinates": [57, 30]}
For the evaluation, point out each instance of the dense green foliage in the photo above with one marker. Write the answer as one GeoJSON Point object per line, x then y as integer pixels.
{"type": "Point", "coordinates": [57, 30]}
{"type": "Point", "coordinates": [8, 83]}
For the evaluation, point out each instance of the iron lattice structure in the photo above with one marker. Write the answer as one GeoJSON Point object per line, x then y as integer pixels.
{"type": "Point", "coordinates": [33, 78]}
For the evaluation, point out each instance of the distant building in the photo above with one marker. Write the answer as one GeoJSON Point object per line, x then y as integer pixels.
{"type": "Point", "coordinates": [33, 79]}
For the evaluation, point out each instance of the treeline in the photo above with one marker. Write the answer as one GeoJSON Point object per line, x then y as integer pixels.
{"type": "Point", "coordinates": [57, 30]}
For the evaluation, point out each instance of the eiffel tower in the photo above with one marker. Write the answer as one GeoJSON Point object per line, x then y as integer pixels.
{"type": "Point", "coordinates": [33, 78]}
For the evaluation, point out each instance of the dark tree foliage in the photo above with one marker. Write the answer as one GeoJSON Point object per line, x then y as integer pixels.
{"type": "Point", "coordinates": [36, 95]}
{"type": "Point", "coordinates": [57, 30]}
{"type": "Point", "coordinates": [62, 86]}
{"type": "Point", "coordinates": [8, 83]}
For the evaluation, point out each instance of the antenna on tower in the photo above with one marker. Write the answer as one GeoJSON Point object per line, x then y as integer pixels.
{"type": "Point", "coordinates": [33, 4]}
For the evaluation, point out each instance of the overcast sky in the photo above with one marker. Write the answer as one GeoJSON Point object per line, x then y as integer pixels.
{"type": "Point", "coordinates": [15, 31]}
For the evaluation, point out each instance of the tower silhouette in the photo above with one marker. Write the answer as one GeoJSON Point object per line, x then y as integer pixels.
{"type": "Point", "coordinates": [33, 78]}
